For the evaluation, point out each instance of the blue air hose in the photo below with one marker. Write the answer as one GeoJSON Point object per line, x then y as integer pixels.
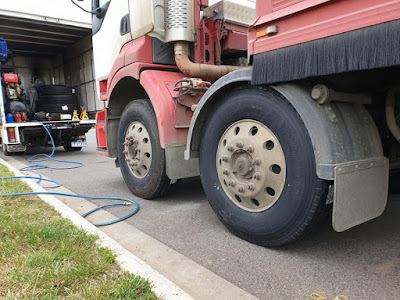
{"type": "Point", "coordinates": [38, 165]}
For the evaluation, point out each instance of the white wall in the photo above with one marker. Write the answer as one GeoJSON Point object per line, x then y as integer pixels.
{"type": "Point", "coordinates": [55, 11]}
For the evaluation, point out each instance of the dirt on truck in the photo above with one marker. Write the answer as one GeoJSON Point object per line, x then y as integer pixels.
{"type": "Point", "coordinates": [288, 110]}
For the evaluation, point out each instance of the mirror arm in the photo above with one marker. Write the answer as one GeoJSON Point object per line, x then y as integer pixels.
{"type": "Point", "coordinates": [88, 11]}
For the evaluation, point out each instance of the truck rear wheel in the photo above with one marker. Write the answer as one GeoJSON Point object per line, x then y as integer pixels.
{"type": "Point", "coordinates": [5, 151]}
{"type": "Point", "coordinates": [141, 157]}
{"type": "Point", "coordinates": [258, 168]}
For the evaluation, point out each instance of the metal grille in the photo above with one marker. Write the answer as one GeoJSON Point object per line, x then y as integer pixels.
{"type": "Point", "coordinates": [179, 20]}
{"type": "Point", "coordinates": [177, 12]}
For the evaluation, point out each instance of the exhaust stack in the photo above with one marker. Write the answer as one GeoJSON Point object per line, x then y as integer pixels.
{"type": "Point", "coordinates": [179, 28]}
{"type": "Point", "coordinates": [179, 20]}
{"type": "Point", "coordinates": [198, 70]}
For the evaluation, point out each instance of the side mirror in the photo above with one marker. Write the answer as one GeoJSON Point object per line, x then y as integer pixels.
{"type": "Point", "coordinates": [99, 12]}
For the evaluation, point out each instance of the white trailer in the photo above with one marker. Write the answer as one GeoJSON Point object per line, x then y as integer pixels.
{"type": "Point", "coordinates": [53, 43]}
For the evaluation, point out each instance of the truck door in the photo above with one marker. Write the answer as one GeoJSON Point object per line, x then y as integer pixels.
{"type": "Point", "coordinates": [111, 30]}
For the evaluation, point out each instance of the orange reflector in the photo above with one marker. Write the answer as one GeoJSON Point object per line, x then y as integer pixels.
{"type": "Point", "coordinates": [261, 33]}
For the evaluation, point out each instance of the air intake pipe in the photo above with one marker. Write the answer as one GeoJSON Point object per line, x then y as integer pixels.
{"type": "Point", "coordinates": [191, 69]}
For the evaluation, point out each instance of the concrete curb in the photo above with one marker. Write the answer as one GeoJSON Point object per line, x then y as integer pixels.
{"type": "Point", "coordinates": [126, 260]}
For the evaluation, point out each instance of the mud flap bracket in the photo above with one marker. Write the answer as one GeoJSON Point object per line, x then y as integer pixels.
{"type": "Point", "coordinates": [360, 193]}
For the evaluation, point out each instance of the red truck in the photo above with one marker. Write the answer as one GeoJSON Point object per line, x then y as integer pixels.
{"type": "Point", "coordinates": [289, 112]}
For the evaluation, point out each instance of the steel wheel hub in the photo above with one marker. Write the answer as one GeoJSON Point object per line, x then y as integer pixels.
{"type": "Point", "coordinates": [137, 149]}
{"type": "Point", "coordinates": [251, 165]}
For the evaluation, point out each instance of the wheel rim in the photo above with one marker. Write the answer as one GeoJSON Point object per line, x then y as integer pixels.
{"type": "Point", "coordinates": [137, 149]}
{"type": "Point", "coordinates": [251, 165]}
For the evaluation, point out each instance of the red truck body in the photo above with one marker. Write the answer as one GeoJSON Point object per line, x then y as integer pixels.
{"type": "Point", "coordinates": [331, 66]}
{"type": "Point", "coordinates": [301, 21]}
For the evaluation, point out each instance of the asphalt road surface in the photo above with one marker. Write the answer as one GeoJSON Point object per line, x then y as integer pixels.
{"type": "Point", "coordinates": [361, 263]}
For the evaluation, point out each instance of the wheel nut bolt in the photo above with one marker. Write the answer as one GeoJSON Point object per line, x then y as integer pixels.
{"type": "Point", "coordinates": [250, 149]}
{"type": "Point", "coordinates": [241, 189]}
{"type": "Point", "coordinates": [250, 186]}
{"type": "Point", "coordinates": [225, 158]}
{"type": "Point", "coordinates": [225, 172]}
{"type": "Point", "coordinates": [230, 148]}
{"type": "Point", "coordinates": [257, 176]}
{"type": "Point", "coordinates": [232, 183]}
{"type": "Point", "coordinates": [257, 162]}
{"type": "Point", "coordinates": [239, 144]}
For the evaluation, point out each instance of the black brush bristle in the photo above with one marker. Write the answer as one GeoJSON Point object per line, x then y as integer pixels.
{"type": "Point", "coordinates": [368, 48]}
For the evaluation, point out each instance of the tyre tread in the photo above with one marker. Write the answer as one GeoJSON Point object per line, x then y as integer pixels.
{"type": "Point", "coordinates": [163, 184]}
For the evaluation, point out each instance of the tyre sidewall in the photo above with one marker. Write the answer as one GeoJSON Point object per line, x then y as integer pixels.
{"type": "Point", "coordinates": [269, 108]}
{"type": "Point", "coordinates": [141, 110]}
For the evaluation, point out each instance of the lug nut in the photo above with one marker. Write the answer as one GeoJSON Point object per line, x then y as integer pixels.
{"type": "Point", "coordinates": [241, 189]}
{"type": "Point", "coordinates": [230, 148]}
{"type": "Point", "coordinates": [251, 186]}
{"type": "Point", "coordinates": [225, 172]}
{"type": "Point", "coordinates": [257, 161]}
{"type": "Point", "coordinates": [257, 176]}
{"type": "Point", "coordinates": [239, 144]}
{"type": "Point", "coordinates": [232, 183]}
{"type": "Point", "coordinates": [226, 159]}
{"type": "Point", "coordinates": [250, 149]}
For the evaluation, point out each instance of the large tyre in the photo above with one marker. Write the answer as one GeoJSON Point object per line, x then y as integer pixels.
{"type": "Point", "coordinates": [55, 90]}
{"type": "Point", "coordinates": [142, 160]}
{"type": "Point", "coordinates": [258, 170]}
{"type": "Point", "coordinates": [58, 108]}
{"type": "Point", "coordinates": [57, 99]}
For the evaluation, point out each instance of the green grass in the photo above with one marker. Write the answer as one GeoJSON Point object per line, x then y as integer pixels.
{"type": "Point", "coordinates": [43, 256]}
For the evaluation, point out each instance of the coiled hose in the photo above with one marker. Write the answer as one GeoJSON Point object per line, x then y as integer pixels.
{"type": "Point", "coordinates": [37, 163]}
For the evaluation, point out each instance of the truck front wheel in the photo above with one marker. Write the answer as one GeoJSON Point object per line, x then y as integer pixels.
{"type": "Point", "coordinates": [141, 157]}
{"type": "Point", "coordinates": [258, 168]}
